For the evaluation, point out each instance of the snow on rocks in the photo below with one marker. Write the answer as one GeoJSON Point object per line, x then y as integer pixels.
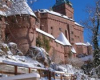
{"type": "Point", "coordinates": [4, 47]}
{"type": "Point", "coordinates": [39, 54]}
{"type": "Point", "coordinates": [28, 60]}
{"type": "Point", "coordinates": [36, 58]}
{"type": "Point", "coordinates": [2, 13]}
{"type": "Point", "coordinates": [9, 49]}
{"type": "Point", "coordinates": [14, 49]}
{"type": "Point", "coordinates": [2, 52]}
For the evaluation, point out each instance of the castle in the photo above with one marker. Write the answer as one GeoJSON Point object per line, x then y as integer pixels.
{"type": "Point", "coordinates": [55, 30]}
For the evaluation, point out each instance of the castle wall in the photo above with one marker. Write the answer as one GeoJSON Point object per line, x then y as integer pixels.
{"type": "Point", "coordinates": [78, 34]}
{"type": "Point", "coordinates": [21, 29]}
{"type": "Point", "coordinates": [56, 51]}
{"type": "Point", "coordinates": [55, 24]}
{"type": "Point", "coordinates": [81, 49]}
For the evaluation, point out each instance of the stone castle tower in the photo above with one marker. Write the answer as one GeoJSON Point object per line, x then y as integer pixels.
{"type": "Point", "coordinates": [64, 7]}
{"type": "Point", "coordinates": [20, 24]}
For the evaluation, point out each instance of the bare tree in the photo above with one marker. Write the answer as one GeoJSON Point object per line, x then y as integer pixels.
{"type": "Point", "coordinates": [93, 24]}
{"type": "Point", "coordinates": [76, 62]}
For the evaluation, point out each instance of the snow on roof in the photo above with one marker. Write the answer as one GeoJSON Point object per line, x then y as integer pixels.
{"type": "Point", "coordinates": [80, 44]}
{"type": "Point", "coordinates": [54, 13]}
{"type": "Point", "coordinates": [45, 33]}
{"type": "Point", "coordinates": [22, 76]}
{"type": "Point", "coordinates": [78, 24]}
{"type": "Point", "coordinates": [88, 44]}
{"type": "Point", "coordinates": [87, 58]}
{"type": "Point", "coordinates": [59, 41]}
{"type": "Point", "coordinates": [19, 7]}
{"type": "Point", "coordinates": [84, 44]}
{"type": "Point", "coordinates": [73, 50]}
{"type": "Point", "coordinates": [63, 39]}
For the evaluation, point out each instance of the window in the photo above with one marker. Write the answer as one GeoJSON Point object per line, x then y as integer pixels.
{"type": "Point", "coordinates": [59, 29]}
{"type": "Point", "coordinates": [41, 28]}
{"type": "Point", "coordinates": [52, 30]}
{"type": "Point", "coordinates": [72, 32]}
{"type": "Point", "coordinates": [0, 19]}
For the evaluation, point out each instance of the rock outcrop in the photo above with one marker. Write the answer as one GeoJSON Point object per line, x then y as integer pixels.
{"type": "Point", "coordinates": [40, 55]}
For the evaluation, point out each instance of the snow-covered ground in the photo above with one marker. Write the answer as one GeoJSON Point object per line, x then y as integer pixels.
{"type": "Point", "coordinates": [26, 61]}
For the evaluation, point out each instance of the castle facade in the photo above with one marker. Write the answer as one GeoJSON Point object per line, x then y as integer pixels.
{"type": "Point", "coordinates": [55, 30]}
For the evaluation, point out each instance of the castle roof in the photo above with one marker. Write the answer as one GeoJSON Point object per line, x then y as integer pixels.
{"type": "Point", "coordinates": [73, 50]}
{"type": "Point", "coordinates": [78, 24]}
{"type": "Point", "coordinates": [83, 44]}
{"type": "Point", "coordinates": [58, 2]}
{"type": "Point", "coordinates": [54, 13]}
{"type": "Point", "coordinates": [59, 42]}
{"type": "Point", "coordinates": [19, 7]}
{"type": "Point", "coordinates": [44, 33]}
{"type": "Point", "coordinates": [63, 39]}
{"type": "Point", "coordinates": [57, 14]}
{"type": "Point", "coordinates": [80, 44]}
